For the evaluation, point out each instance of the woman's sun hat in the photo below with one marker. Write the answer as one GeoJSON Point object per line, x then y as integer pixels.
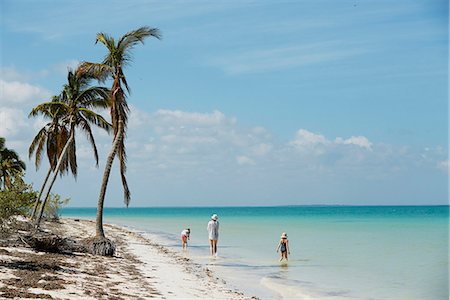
{"type": "Point", "coordinates": [284, 235]}
{"type": "Point", "coordinates": [214, 217]}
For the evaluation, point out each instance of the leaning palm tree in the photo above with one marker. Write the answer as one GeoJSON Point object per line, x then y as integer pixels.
{"type": "Point", "coordinates": [11, 167]}
{"type": "Point", "coordinates": [52, 136]}
{"type": "Point", "coordinates": [118, 56]}
{"type": "Point", "coordinates": [75, 104]}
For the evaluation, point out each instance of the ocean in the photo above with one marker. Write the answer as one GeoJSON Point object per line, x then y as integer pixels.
{"type": "Point", "coordinates": [337, 252]}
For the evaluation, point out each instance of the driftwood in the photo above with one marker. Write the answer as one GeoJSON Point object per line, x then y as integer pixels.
{"type": "Point", "coordinates": [49, 242]}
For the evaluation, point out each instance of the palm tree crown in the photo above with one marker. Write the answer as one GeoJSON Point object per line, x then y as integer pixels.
{"type": "Point", "coordinates": [118, 56]}
{"type": "Point", "coordinates": [11, 167]}
{"type": "Point", "coordinates": [52, 136]}
{"type": "Point", "coordinates": [73, 109]}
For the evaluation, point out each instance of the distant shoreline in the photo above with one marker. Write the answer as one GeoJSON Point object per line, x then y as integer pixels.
{"type": "Point", "coordinates": [270, 206]}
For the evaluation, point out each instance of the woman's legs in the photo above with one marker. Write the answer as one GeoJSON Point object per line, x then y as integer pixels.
{"type": "Point", "coordinates": [215, 246]}
{"type": "Point", "coordinates": [211, 246]}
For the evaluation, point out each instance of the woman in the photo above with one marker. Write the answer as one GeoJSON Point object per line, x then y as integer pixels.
{"type": "Point", "coordinates": [213, 233]}
{"type": "Point", "coordinates": [283, 246]}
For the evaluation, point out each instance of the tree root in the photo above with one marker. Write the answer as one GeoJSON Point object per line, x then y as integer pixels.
{"type": "Point", "coordinates": [100, 246]}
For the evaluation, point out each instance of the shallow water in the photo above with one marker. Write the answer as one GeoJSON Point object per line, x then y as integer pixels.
{"type": "Point", "coordinates": [336, 252]}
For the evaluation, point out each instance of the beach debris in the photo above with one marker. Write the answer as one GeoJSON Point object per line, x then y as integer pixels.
{"type": "Point", "coordinates": [49, 242]}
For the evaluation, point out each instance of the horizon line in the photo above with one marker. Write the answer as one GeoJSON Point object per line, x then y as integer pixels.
{"type": "Point", "coordinates": [267, 206]}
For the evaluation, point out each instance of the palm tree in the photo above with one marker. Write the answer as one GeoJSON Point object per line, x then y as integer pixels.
{"type": "Point", "coordinates": [75, 104]}
{"type": "Point", "coordinates": [118, 56]}
{"type": "Point", "coordinates": [53, 136]}
{"type": "Point", "coordinates": [11, 167]}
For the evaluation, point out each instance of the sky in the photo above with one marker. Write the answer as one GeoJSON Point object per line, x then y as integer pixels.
{"type": "Point", "coordinates": [253, 103]}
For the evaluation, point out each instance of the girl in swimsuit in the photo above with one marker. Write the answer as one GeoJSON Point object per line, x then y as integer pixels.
{"type": "Point", "coordinates": [185, 234]}
{"type": "Point", "coordinates": [283, 246]}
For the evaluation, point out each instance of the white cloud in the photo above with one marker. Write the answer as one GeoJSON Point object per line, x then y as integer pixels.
{"type": "Point", "coordinates": [12, 122]}
{"type": "Point", "coordinates": [180, 146]}
{"type": "Point", "coordinates": [188, 140]}
{"type": "Point", "coordinates": [191, 118]}
{"type": "Point", "coordinates": [360, 141]}
{"type": "Point", "coordinates": [16, 93]}
{"type": "Point", "coordinates": [244, 160]}
{"type": "Point", "coordinates": [174, 138]}
{"type": "Point", "coordinates": [262, 149]}
{"type": "Point", "coordinates": [444, 165]}
{"type": "Point", "coordinates": [12, 74]}
{"type": "Point", "coordinates": [63, 67]}
{"type": "Point", "coordinates": [307, 139]}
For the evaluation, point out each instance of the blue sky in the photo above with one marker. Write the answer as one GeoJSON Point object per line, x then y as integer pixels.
{"type": "Point", "coordinates": [248, 102]}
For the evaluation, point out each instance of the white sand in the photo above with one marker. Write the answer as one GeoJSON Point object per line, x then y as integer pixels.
{"type": "Point", "coordinates": [141, 269]}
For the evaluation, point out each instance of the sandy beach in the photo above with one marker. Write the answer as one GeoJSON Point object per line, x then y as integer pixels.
{"type": "Point", "coordinates": [140, 269]}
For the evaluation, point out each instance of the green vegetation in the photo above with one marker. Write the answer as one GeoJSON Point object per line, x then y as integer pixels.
{"type": "Point", "coordinates": [53, 207]}
{"type": "Point", "coordinates": [17, 197]}
{"type": "Point", "coordinates": [15, 201]}
{"type": "Point", "coordinates": [11, 167]}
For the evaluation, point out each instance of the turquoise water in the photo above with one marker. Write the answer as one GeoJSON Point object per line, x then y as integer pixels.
{"type": "Point", "coordinates": [336, 252]}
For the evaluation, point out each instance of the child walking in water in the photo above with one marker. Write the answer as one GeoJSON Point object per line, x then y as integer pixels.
{"type": "Point", "coordinates": [185, 237]}
{"type": "Point", "coordinates": [283, 246]}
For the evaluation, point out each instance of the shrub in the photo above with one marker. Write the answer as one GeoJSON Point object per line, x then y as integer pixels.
{"type": "Point", "coordinates": [16, 201]}
{"type": "Point", "coordinates": [53, 207]}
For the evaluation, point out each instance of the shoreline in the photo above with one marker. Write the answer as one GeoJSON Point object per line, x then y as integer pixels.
{"type": "Point", "coordinates": [141, 268]}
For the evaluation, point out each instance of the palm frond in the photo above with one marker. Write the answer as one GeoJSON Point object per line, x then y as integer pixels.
{"type": "Point", "coordinates": [39, 151]}
{"type": "Point", "coordinates": [124, 80]}
{"type": "Point", "coordinates": [123, 169]}
{"type": "Point", "coordinates": [91, 95]}
{"type": "Point", "coordinates": [101, 72]}
{"type": "Point", "coordinates": [21, 166]}
{"type": "Point", "coordinates": [96, 119]}
{"type": "Point", "coordinates": [45, 109]}
{"type": "Point", "coordinates": [87, 129]}
{"type": "Point", "coordinates": [62, 139]}
{"type": "Point", "coordinates": [72, 158]}
{"type": "Point", "coordinates": [36, 140]}
{"type": "Point", "coordinates": [130, 39]}
{"type": "Point", "coordinates": [106, 40]}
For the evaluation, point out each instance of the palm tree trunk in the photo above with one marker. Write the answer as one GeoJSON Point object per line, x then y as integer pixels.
{"type": "Point", "coordinates": [38, 199]}
{"type": "Point", "coordinates": [7, 182]}
{"type": "Point", "coordinates": [101, 198]}
{"type": "Point", "coordinates": [60, 159]}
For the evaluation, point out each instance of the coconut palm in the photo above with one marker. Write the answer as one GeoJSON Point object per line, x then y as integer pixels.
{"type": "Point", "coordinates": [118, 56]}
{"type": "Point", "coordinates": [11, 167]}
{"type": "Point", "coordinates": [52, 136]}
{"type": "Point", "coordinates": [75, 104]}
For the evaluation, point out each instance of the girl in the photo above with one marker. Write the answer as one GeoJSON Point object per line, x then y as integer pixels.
{"type": "Point", "coordinates": [283, 245]}
{"type": "Point", "coordinates": [185, 237]}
